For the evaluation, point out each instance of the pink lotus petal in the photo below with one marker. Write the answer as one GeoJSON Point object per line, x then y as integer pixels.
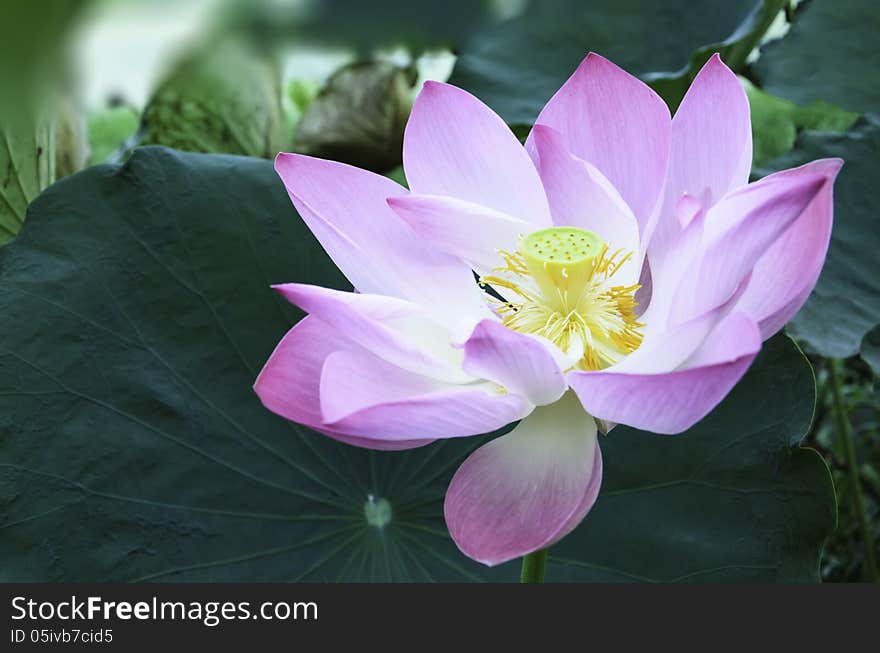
{"type": "Point", "coordinates": [618, 124]}
{"type": "Point", "coordinates": [787, 272]}
{"type": "Point", "coordinates": [710, 148]}
{"type": "Point", "coordinates": [686, 209]}
{"type": "Point", "coordinates": [737, 232]}
{"type": "Point", "coordinates": [365, 396]}
{"type": "Point", "coordinates": [394, 329]}
{"type": "Point", "coordinates": [346, 209]}
{"type": "Point", "coordinates": [527, 489]}
{"type": "Point", "coordinates": [521, 363]}
{"type": "Point", "coordinates": [472, 232]}
{"type": "Point", "coordinates": [581, 196]}
{"type": "Point", "coordinates": [664, 351]}
{"type": "Point", "coordinates": [455, 145]}
{"type": "Point", "coordinates": [674, 401]}
{"type": "Point", "coordinates": [289, 382]}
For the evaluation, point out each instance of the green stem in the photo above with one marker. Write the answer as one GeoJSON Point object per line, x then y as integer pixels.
{"type": "Point", "coordinates": [844, 432]}
{"type": "Point", "coordinates": [534, 566]}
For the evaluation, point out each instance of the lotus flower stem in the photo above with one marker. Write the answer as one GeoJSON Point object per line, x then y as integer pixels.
{"type": "Point", "coordinates": [534, 566]}
{"type": "Point", "coordinates": [844, 431]}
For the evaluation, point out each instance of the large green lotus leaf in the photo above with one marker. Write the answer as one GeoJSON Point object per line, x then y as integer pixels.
{"type": "Point", "coordinates": [516, 66]}
{"type": "Point", "coordinates": [829, 54]}
{"type": "Point", "coordinates": [137, 313]}
{"type": "Point", "coordinates": [844, 305]}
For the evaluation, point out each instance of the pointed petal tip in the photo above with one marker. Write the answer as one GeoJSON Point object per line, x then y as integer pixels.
{"type": "Point", "coordinates": [286, 162]}
{"type": "Point", "coordinates": [283, 158]}
{"type": "Point", "coordinates": [544, 136]}
{"type": "Point", "coordinates": [834, 164]}
{"type": "Point", "coordinates": [432, 87]}
{"type": "Point", "coordinates": [715, 66]}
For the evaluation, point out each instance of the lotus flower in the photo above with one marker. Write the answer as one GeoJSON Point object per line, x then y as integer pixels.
{"type": "Point", "coordinates": [618, 268]}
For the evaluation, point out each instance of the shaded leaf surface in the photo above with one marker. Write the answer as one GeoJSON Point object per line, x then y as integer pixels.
{"type": "Point", "coordinates": [871, 350]}
{"type": "Point", "coordinates": [829, 54]}
{"type": "Point", "coordinates": [844, 305]}
{"type": "Point", "coordinates": [516, 66]}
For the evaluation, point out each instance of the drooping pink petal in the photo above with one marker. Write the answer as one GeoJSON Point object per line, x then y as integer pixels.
{"type": "Point", "coordinates": [519, 362]}
{"type": "Point", "coordinates": [614, 121]}
{"type": "Point", "coordinates": [288, 384]}
{"type": "Point", "coordinates": [787, 272]}
{"type": "Point", "coordinates": [346, 210]}
{"type": "Point", "coordinates": [710, 148]}
{"type": "Point", "coordinates": [397, 330]}
{"type": "Point", "coordinates": [672, 402]}
{"type": "Point", "coordinates": [737, 232]}
{"type": "Point", "coordinates": [581, 196]}
{"type": "Point", "coordinates": [472, 232]}
{"type": "Point", "coordinates": [455, 145]}
{"type": "Point", "coordinates": [365, 396]}
{"type": "Point", "coordinates": [527, 489]}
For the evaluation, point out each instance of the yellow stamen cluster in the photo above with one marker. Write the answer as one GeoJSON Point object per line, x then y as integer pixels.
{"type": "Point", "coordinates": [561, 287]}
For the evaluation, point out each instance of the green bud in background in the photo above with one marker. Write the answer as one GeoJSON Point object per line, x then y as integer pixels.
{"type": "Point", "coordinates": [224, 97]}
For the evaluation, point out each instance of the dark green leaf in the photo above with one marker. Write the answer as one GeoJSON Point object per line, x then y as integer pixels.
{"type": "Point", "coordinates": [829, 54]}
{"type": "Point", "coordinates": [516, 66]}
{"type": "Point", "coordinates": [871, 349]}
{"type": "Point", "coordinates": [416, 25]}
{"type": "Point", "coordinates": [844, 305]}
{"type": "Point", "coordinates": [132, 446]}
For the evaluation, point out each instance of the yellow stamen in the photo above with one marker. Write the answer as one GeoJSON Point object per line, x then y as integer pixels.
{"type": "Point", "coordinates": [563, 281]}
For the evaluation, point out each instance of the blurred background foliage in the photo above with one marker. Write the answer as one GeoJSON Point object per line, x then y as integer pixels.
{"type": "Point", "coordinates": [84, 82]}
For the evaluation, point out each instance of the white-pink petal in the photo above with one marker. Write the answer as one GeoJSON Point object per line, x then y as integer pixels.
{"type": "Point", "coordinates": [787, 272]}
{"type": "Point", "coordinates": [710, 149]}
{"type": "Point", "coordinates": [674, 401]}
{"type": "Point", "coordinates": [581, 196]}
{"type": "Point", "coordinates": [365, 396]}
{"type": "Point", "coordinates": [526, 490]}
{"type": "Point", "coordinates": [737, 232]}
{"type": "Point", "coordinates": [455, 145]}
{"type": "Point", "coordinates": [520, 363]}
{"type": "Point", "coordinates": [617, 123]}
{"type": "Point", "coordinates": [288, 384]}
{"type": "Point", "coordinates": [395, 329]}
{"type": "Point", "coordinates": [472, 232]}
{"type": "Point", "coordinates": [346, 210]}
